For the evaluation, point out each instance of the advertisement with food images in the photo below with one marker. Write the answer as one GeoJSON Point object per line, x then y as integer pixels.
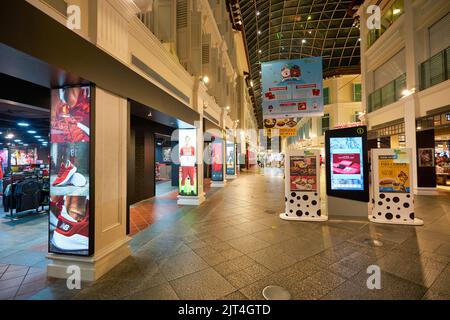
{"type": "Point", "coordinates": [292, 88]}
{"type": "Point", "coordinates": [286, 127]}
{"type": "Point", "coordinates": [70, 171]}
{"type": "Point", "coordinates": [393, 175]}
{"type": "Point", "coordinates": [303, 175]}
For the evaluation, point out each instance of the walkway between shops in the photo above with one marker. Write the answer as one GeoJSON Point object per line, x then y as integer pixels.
{"type": "Point", "coordinates": [234, 245]}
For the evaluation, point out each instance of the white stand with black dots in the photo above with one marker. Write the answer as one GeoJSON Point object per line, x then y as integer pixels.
{"type": "Point", "coordinates": [302, 186]}
{"type": "Point", "coordinates": [392, 196]}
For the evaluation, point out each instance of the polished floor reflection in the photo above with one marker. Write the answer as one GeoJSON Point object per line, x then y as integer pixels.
{"type": "Point", "coordinates": [234, 245]}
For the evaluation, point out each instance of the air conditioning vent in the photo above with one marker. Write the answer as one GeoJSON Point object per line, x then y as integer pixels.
{"type": "Point", "coordinates": [205, 53]}
{"type": "Point", "coordinates": [182, 14]}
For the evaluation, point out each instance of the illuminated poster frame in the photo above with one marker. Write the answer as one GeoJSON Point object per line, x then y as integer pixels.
{"type": "Point", "coordinates": [231, 158]}
{"type": "Point", "coordinates": [357, 191]}
{"type": "Point", "coordinates": [217, 172]}
{"type": "Point", "coordinates": [72, 197]}
{"type": "Point", "coordinates": [187, 151]}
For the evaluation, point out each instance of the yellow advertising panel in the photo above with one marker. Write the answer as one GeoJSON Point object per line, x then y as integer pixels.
{"type": "Point", "coordinates": [283, 132]}
{"type": "Point", "coordinates": [393, 174]}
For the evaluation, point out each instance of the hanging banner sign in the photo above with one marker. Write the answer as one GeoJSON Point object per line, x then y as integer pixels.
{"type": "Point", "coordinates": [292, 88]}
{"type": "Point", "coordinates": [286, 127]}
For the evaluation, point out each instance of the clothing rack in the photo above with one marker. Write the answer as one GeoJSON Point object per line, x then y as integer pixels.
{"type": "Point", "coordinates": [39, 199]}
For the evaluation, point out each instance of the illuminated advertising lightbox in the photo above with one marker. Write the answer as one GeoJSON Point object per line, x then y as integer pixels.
{"type": "Point", "coordinates": [217, 160]}
{"type": "Point", "coordinates": [188, 163]}
{"type": "Point", "coordinates": [303, 173]}
{"type": "Point", "coordinates": [71, 214]}
{"type": "Point", "coordinates": [347, 165]}
{"type": "Point", "coordinates": [231, 159]}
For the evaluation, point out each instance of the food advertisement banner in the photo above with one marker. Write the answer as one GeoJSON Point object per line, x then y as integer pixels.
{"type": "Point", "coordinates": [393, 174]}
{"type": "Point", "coordinates": [286, 127]}
{"type": "Point", "coordinates": [303, 173]}
{"type": "Point", "coordinates": [70, 223]}
{"type": "Point", "coordinates": [188, 170]}
{"type": "Point", "coordinates": [292, 88]}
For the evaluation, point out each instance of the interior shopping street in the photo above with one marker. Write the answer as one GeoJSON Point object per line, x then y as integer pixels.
{"type": "Point", "coordinates": [202, 151]}
{"type": "Point", "coordinates": [234, 245]}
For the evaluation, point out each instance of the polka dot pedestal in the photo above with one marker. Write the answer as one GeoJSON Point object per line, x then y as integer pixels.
{"type": "Point", "coordinates": [302, 205]}
{"type": "Point", "coordinates": [392, 207]}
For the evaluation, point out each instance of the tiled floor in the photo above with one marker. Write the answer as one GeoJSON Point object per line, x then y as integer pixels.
{"type": "Point", "coordinates": [234, 245]}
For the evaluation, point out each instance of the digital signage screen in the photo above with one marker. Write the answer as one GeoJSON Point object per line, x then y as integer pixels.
{"type": "Point", "coordinates": [217, 160]}
{"type": "Point", "coordinates": [231, 159]}
{"type": "Point", "coordinates": [23, 157]}
{"type": "Point", "coordinates": [187, 140]}
{"type": "Point", "coordinates": [347, 163]}
{"type": "Point", "coordinates": [71, 224]}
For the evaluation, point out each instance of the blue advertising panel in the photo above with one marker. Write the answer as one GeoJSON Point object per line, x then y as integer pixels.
{"type": "Point", "coordinates": [231, 159]}
{"type": "Point", "coordinates": [292, 88]}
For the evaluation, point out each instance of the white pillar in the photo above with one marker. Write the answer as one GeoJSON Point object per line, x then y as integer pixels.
{"type": "Point", "coordinates": [110, 183]}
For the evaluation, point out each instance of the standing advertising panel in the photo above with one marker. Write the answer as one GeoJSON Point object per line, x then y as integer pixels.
{"type": "Point", "coordinates": [302, 186]}
{"type": "Point", "coordinates": [71, 206]}
{"type": "Point", "coordinates": [347, 164]}
{"type": "Point", "coordinates": [231, 159]}
{"type": "Point", "coordinates": [188, 184]}
{"type": "Point", "coordinates": [292, 88]}
{"type": "Point", "coordinates": [393, 200]}
{"type": "Point", "coordinates": [217, 159]}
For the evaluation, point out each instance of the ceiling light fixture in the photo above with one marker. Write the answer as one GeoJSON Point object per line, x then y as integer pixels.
{"type": "Point", "coordinates": [9, 136]}
{"type": "Point", "coordinates": [205, 79]}
{"type": "Point", "coordinates": [23, 124]}
{"type": "Point", "coordinates": [31, 131]}
{"type": "Point", "coordinates": [258, 13]}
{"type": "Point", "coordinates": [396, 11]}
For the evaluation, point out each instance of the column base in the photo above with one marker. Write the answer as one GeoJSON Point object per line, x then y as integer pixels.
{"type": "Point", "coordinates": [218, 184]}
{"type": "Point", "coordinates": [231, 177]}
{"type": "Point", "coordinates": [92, 268]}
{"type": "Point", "coordinates": [426, 191]}
{"type": "Point", "coordinates": [283, 216]}
{"type": "Point", "coordinates": [191, 201]}
{"type": "Point", "coordinates": [415, 222]}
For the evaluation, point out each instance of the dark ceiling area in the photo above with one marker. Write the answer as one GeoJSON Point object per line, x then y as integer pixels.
{"type": "Point", "coordinates": [293, 29]}
{"type": "Point", "coordinates": [23, 126]}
